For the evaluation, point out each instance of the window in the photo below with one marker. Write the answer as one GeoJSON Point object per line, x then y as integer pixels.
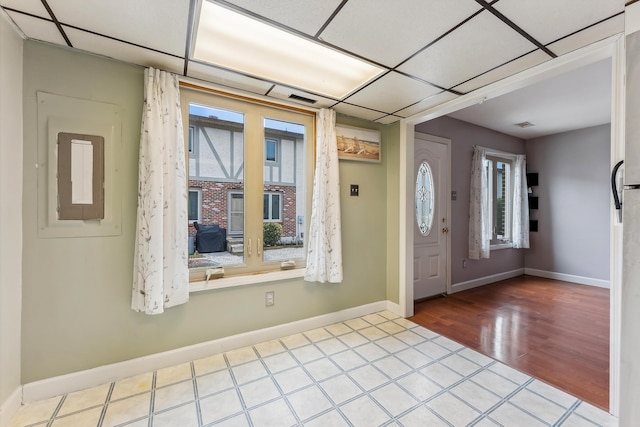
{"type": "Point", "coordinates": [270, 150]}
{"type": "Point", "coordinates": [271, 207]}
{"type": "Point", "coordinates": [500, 183]}
{"type": "Point", "coordinates": [195, 205]}
{"type": "Point", "coordinates": [424, 198]}
{"type": "Point", "coordinates": [254, 165]}
{"type": "Point", "coordinates": [191, 142]}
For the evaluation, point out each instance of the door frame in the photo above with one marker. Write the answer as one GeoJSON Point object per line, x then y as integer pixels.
{"type": "Point", "coordinates": [610, 48]}
{"type": "Point", "coordinates": [447, 191]}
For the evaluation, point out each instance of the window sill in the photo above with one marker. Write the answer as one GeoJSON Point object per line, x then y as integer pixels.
{"type": "Point", "coordinates": [500, 246]}
{"type": "Point", "coordinates": [249, 279]}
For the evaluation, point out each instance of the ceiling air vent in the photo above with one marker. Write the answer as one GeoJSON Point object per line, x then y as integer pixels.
{"type": "Point", "coordinates": [302, 98]}
{"type": "Point", "coordinates": [525, 125]}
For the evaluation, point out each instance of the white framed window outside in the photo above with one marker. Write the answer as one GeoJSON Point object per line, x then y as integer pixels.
{"type": "Point", "coordinates": [192, 144]}
{"type": "Point", "coordinates": [500, 194]}
{"type": "Point", "coordinates": [271, 151]}
{"type": "Point", "coordinates": [272, 207]}
{"type": "Point", "coordinates": [195, 205]}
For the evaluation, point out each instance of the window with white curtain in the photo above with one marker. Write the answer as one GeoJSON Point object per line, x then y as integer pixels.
{"type": "Point", "coordinates": [253, 164]}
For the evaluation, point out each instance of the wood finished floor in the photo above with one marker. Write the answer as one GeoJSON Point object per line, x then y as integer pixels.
{"type": "Point", "coordinates": [555, 331]}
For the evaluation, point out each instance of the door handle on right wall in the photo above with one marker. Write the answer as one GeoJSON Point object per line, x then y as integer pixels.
{"type": "Point", "coordinates": [445, 229]}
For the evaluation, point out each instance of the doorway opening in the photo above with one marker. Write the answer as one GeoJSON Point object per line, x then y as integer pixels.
{"type": "Point", "coordinates": [612, 49]}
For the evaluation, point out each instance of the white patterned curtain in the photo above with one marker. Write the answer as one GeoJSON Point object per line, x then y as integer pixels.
{"type": "Point", "coordinates": [161, 275]}
{"type": "Point", "coordinates": [479, 225]}
{"type": "Point", "coordinates": [520, 217]}
{"type": "Point", "coordinates": [324, 254]}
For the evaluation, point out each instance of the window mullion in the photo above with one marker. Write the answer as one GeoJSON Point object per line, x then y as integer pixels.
{"type": "Point", "coordinates": [254, 189]}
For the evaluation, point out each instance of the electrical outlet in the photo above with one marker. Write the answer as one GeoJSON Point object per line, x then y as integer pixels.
{"type": "Point", "coordinates": [464, 263]}
{"type": "Point", "coordinates": [269, 298]}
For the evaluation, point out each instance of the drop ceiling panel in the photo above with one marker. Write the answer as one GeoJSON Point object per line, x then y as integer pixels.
{"type": "Point", "coordinates": [37, 29]}
{"type": "Point", "coordinates": [123, 51]}
{"type": "Point", "coordinates": [157, 24]}
{"type": "Point", "coordinates": [593, 34]}
{"type": "Point", "coordinates": [355, 111]}
{"type": "Point", "coordinates": [477, 46]}
{"type": "Point", "coordinates": [374, 30]}
{"type": "Point", "coordinates": [509, 69]}
{"type": "Point", "coordinates": [283, 92]}
{"type": "Point", "coordinates": [427, 103]}
{"type": "Point", "coordinates": [548, 20]}
{"type": "Point", "coordinates": [227, 78]}
{"type": "Point", "coordinates": [33, 7]}
{"type": "Point", "coordinates": [392, 92]}
{"type": "Point", "coordinates": [307, 16]}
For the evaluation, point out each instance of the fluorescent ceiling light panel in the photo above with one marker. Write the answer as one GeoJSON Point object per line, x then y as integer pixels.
{"type": "Point", "coordinates": [237, 42]}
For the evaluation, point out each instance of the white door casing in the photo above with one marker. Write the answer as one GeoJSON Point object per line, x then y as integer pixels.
{"type": "Point", "coordinates": [430, 245]}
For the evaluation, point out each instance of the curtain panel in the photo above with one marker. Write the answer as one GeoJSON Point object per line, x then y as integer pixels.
{"type": "Point", "coordinates": [161, 274]}
{"type": "Point", "coordinates": [324, 253]}
{"type": "Point", "coordinates": [479, 226]}
{"type": "Point", "coordinates": [520, 217]}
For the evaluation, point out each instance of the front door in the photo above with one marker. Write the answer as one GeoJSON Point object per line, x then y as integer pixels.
{"type": "Point", "coordinates": [431, 225]}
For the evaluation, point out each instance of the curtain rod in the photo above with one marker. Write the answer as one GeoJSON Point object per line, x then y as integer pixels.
{"type": "Point", "coordinates": [496, 151]}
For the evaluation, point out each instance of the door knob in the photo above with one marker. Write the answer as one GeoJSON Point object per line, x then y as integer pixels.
{"type": "Point", "coordinates": [445, 229]}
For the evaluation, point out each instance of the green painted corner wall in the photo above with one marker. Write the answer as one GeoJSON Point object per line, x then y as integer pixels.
{"type": "Point", "coordinates": [76, 291]}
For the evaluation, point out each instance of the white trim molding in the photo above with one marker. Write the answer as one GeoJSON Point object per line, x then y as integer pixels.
{"type": "Point", "coordinates": [10, 407]}
{"type": "Point", "coordinates": [75, 381]}
{"type": "Point", "coordinates": [568, 278]}
{"type": "Point", "coordinates": [481, 281]}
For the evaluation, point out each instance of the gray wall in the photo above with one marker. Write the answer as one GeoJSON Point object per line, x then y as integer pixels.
{"type": "Point", "coordinates": [574, 196]}
{"type": "Point", "coordinates": [76, 291]}
{"type": "Point", "coordinates": [463, 137]}
{"type": "Point", "coordinates": [10, 209]}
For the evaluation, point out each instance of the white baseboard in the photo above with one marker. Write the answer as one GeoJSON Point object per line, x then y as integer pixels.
{"type": "Point", "coordinates": [9, 407]}
{"type": "Point", "coordinates": [394, 308]}
{"type": "Point", "coordinates": [68, 383]}
{"type": "Point", "coordinates": [463, 286]}
{"type": "Point", "coordinates": [568, 278]}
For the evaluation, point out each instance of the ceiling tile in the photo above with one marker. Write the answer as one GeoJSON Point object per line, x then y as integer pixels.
{"type": "Point", "coordinates": [307, 16]}
{"type": "Point", "coordinates": [511, 68]}
{"type": "Point", "coordinates": [355, 111]}
{"type": "Point", "coordinates": [548, 20]}
{"type": "Point", "coordinates": [33, 7]}
{"type": "Point", "coordinates": [392, 92]}
{"type": "Point", "coordinates": [123, 51]}
{"type": "Point", "coordinates": [374, 30]}
{"type": "Point", "coordinates": [157, 24]}
{"type": "Point", "coordinates": [593, 34]}
{"type": "Point", "coordinates": [479, 45]}
{"type": "Point", "coordinates": [37, 29]}
{"type": "Point", "coordinates": [283, 92]}
{"type": "Point", "coordinates": [427, 103]}
{"type": "Point", "coordinates": [227, 78]}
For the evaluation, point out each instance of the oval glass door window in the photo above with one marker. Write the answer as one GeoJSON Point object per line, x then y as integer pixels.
{"type": "Point", "coordinates": [424, 198]}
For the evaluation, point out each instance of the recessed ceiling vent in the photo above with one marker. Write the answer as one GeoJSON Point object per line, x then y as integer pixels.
{"type": "Point", "coordinates": [302, 98]}
{"type": "Point", "coordinates": [525, 125]}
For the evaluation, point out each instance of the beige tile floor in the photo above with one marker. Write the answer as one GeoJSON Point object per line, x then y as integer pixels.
{"type": "Point", "coordinates": [377, 370]}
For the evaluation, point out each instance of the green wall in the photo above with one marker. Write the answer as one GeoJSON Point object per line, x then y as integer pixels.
{"type": "Point", "coordinates": [10, 211]}
{"type": "Point", "coordinates": [76, 291]}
